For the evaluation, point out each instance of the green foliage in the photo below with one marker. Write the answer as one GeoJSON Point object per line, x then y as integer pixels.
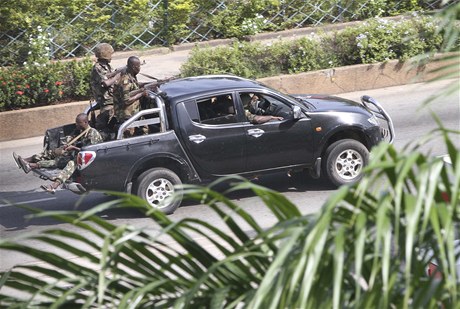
{"type": "Point", "coordinates": [448, 19]}
{"type": "Point", "coordinates": [381, 40]}
{"type": "Point", "coordinates": [242, 17]}
{"type": "Point", "coordinates": [78, 77]}
{"type": "Point", "coordinates": [117, 22]}
{"type": "Point", "coordinates": [242, 58]}
{"type": "Point", "coordinates": [307, 55]}
{"type": "Point", "coordinates": [40, 84]}
{"type": "Point", "coordinates": [368, 247]}
{"type": "Point", "coordinates": [176, 17]}
{"type": "Point", "coordinates": [373, 41]}
{"type": "Point", "coordinates": [363, 249]}
{"type": "Point", "coordinates": [379, 8]}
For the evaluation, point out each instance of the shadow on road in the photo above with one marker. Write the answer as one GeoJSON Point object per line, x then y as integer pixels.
{"type": "Point", "coordinates": [280, 182]}
{"type": "Point", "coordinates": [14, 215]}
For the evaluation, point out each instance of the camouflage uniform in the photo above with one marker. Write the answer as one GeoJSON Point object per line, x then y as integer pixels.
{"type": "Point", "coordinates": [103, 96]}
{"type": "Point", "coordinates": [99, 73]}
{"type": "Point", "coordinates": [123, 87]}
{"type": "Point", "coordinates": [48, 157]}
{"type": "Point", "coordinates": [247, 111]}
{"type": "Point", "coordinates": [46, 154]}
{"type": "Point", "coordinates": [52, 159]}
{"type": "Point", "coordinates": [66, 172]}
{"type": "Point", "coordinates": [123, 112]}
{"type": "Point", "coordinates": [249, 116]}
{"type": "Point", "coordinates": [90, 138]}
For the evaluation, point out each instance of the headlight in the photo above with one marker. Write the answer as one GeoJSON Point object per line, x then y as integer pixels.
{"type": "Point", "coordinates": [373, 120]}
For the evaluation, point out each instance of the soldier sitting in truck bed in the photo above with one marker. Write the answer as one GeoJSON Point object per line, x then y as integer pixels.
{"type": "Point", "coordinates": [62, 157]}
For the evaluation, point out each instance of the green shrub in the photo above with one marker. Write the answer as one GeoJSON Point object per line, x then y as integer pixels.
{"type": "Point", "coordinates": [373, 41]}
{"type": "Point", "coordinates": [243, 17]}
{"type": "Point", "coordinates": [78, 80]}
{"type": "Point", "coordinates": [210, 61]}
{"type": "Point", "coordinates": [42, 84]}
{"type": "Point", "coordinates": [307, 55]}
{"type": "Point", "coordinates": [171, 21]}
{"type": "Point", "coordinates": [381, 40]}
{"type": "Point", "coordinates": [366, 247]}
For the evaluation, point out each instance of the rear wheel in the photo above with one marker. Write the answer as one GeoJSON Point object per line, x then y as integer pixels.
{"type": "Point", "coordinates": [344, 161]}
{"type": "Point", "coordinates": [157, 187]}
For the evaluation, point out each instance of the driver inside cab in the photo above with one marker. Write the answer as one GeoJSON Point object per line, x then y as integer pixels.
{"type": "Point", "coordinates": [256, 108]}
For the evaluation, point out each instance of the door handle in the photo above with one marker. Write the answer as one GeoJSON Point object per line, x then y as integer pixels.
{"type": "Point", "coordinates": [198, 138]}
{"type": "Point", "coordinates": [256, 132]}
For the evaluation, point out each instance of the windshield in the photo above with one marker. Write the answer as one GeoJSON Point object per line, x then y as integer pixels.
{"type": "Point", "coordinates": [292, 97]}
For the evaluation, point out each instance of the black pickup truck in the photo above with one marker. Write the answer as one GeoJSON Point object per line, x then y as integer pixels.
{"type": "Point", "coordinates": [199, 130]}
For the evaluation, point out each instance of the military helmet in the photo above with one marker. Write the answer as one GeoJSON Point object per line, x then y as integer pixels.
{"type": "Point", "coordinates": [104, 51]}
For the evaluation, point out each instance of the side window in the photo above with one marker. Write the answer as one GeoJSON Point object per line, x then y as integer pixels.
{"type": "Point", "coordinates": [216, 110]}
{"type": "Point", "coordinates": [192, 111]}
{"type": "Point", "coordinates": [263, 104]}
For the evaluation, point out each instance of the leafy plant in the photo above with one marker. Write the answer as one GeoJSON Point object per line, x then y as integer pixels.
{"type": "Point", "coordinates": [89, 22]}
{"type": "Point", "coordinates": [367, 247]}
{"type": "Point", "coordinates": [40, 83]}
{"type": "Point", "coordinates": [373, 41]}
{"type": "Point", "coordinates": [448, 19]}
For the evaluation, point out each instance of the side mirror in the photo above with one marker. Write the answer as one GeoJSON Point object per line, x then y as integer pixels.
{"type": "Point", "coordinates": [297, 112]}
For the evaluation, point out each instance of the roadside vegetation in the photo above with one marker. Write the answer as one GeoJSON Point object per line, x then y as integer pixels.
{"type": "Point", "coordinates": [368, 247]}
{"type": "Point", "coordinates": [89, 21]}
{"type": "Point", "coordinates": [375, 40]}
{"type": "Point", "coordinates": [40, 82]}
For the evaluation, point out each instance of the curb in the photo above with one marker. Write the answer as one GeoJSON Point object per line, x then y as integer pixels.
{"type": "Point", "coordinates": [35, 121]}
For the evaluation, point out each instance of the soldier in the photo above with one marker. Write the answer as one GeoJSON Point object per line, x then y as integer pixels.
{"type": "Point", "coordinates": [250, 105]}
{"type": "Point", "coordinates": [90, 136]}
{"type": "Point", "coordinates": [83, 134]}
{"type": "Point", "coordinates": [127, 93]}
{"type": "Point", "coordinates": [103, 94]}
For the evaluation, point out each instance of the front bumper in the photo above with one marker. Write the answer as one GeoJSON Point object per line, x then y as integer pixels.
{"type": "Point", "coordinates": [386, 124]}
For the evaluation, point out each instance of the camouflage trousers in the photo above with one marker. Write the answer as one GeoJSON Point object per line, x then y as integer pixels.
{"type": "Point", "coordinates": [49, 159]}
{"type": "Point", "coordinates": [66, 172]}
{"type": "Point", "coordinates": [58, 162]}
{"type": "Point", "coordinates": [46, 156]}
{"type": "Point", "coordinates": [46, 163]}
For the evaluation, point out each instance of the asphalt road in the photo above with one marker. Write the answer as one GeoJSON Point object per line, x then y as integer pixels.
{"type": "Point", "coordinates": [402, 103]}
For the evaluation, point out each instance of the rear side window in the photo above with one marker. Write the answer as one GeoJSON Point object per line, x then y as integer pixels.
{"type": "Point", "coordinates": [213, 110]}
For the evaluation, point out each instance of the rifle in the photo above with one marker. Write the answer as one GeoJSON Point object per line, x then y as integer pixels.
{"type": "Point", "coordinates": [113, 77]}
{"type": "Point", "coordinates": [151, 86]}
{"type": "Point", "coordinates": [117, 71]}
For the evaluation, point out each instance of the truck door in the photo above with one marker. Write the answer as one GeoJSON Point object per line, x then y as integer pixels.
{"type": "Point", "coordinates": [212, 137]}
{"type": "Point", "coordinates": [277, 143]}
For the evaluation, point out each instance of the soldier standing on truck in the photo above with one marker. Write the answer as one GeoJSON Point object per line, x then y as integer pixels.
{"type": "Point", "coordinates": [127, 104]}
{"type": "Point", "coordinates": [102, 94]}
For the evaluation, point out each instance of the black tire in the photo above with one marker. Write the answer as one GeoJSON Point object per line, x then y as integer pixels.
{"type": "Point", "coordinates": [344, 161]}
{"type": "Point", "coordinates": [157, 187]}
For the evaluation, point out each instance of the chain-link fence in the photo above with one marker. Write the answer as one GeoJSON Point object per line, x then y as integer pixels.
{"type": "Point", "coordinates": [166, 22]}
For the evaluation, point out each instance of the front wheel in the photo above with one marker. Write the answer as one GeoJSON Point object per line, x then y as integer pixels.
{"type": "Point", "coordinates": [157, 187]}
{"type": "Point", "coordinates": [344, 161]}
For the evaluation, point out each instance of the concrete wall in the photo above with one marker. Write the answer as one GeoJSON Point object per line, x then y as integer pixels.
{"type": "Point", "coordinates": [34, 122]}
{"type": "Point", "coordinates": [352, 78]}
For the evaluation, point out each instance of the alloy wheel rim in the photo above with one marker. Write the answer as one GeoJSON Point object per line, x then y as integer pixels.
{"type": "Point", "coordinates": [349, 164]}
{"type": "Point", "coordinates": [159, 192]}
